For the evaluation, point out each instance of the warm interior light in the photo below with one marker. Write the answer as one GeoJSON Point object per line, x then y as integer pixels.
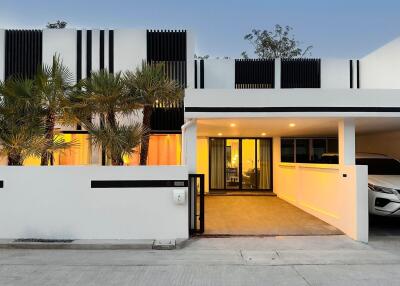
{"type": "Point", "coordinates": [219, 134]}
{"type": "Point", "coordinates": [292, 125]}
{"type": "Point", "coordinates": [263, 134]}
{"type": "Point", "coordinates": [232, 124]}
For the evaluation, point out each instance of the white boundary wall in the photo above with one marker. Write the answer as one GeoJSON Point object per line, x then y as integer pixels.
{"type": "Point", "coordinates": [323, 191]}
{"type": "Point", "coordinates": [58, 202]}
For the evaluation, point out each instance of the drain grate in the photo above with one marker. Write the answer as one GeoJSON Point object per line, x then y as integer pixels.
{"type": "Point", "coordinates": [43, 240]}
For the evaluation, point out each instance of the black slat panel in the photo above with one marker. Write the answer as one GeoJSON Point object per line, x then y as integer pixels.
{"type": "Point", "coordinates": [167, 117]}
{"type": "Point", "coordinates": [111, 51]}
{"type": "Point", "coordinates": [300, 73]}
{"type": "Point", "coordinates": [79, 55]}
{"type": "Point", "coordinates": [88, 53]}
{"type": "Point", "coordinates": [201, 74]}
{"type": "Point", "coordinates": [23, 52]}
{"type": "Point", "coordinates": [166, 45]}
{"type": "Point", "coordinates": [351, 73]}
{"type": "Point", "coordinates": [101, 49]}
{"type": "Point", "coordinates": [254, 73]}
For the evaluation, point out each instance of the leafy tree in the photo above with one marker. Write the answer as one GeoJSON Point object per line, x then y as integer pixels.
{"type": "Point", "coordinates": [52, 85]}
{"type": "Point", "coordinates": [278, 43]}
{"type": "Point", "coordinates": [57, 25]}
{"type": "Point", "coordinates": [22, 125]}
{"type": "Point", "coordinates": [104, 96]}
{"type": "Point", "coordinates": [149, 85]}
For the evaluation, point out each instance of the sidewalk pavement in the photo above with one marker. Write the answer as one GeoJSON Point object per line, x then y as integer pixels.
{"type": "Point", "coordinates": [287, 260]}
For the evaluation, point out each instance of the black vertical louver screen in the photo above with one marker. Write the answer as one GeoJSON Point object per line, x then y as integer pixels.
{"type": "Point", "coordinates": [254, 73]}
{"type": "Point", "coordinates": [167, 117]}
{"type": "Point", "coordinates": [168, 47]}
{"type": "Point", "coordinates": [300, 73]}
{"type": "Point", "coordinates": [23, 52]}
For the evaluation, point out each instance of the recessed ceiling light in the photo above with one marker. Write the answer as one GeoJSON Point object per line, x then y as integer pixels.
{"type": "Point", "coordinates": [292, 125]}
{"type": "Point", "coordinates": [219, 134]}
{"type": "Point", "coordinates": [263, 134]}
{"type": "Point", "coordinates": [232, 124]}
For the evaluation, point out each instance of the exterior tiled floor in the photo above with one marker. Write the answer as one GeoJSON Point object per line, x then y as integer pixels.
{"type": "Point", "coordinates": [260, 215]}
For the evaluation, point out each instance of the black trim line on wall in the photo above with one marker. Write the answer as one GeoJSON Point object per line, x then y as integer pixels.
{"type": "Point", "coordinates": [107, 184]}
{"type": "Point", "coordinates": [1, 184]}
{"type": "Point", "coordinates": [293, 109]}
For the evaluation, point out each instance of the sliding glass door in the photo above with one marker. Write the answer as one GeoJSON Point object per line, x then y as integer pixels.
{"type": "Point", "coordinates": [240, 164]}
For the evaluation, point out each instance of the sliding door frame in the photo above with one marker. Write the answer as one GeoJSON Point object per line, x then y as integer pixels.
{"type": "Point", "coordinates": [240, 189]}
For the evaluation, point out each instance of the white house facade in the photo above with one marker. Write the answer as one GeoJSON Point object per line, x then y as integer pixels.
{"type": "Point", "coordinates": [250, 126]}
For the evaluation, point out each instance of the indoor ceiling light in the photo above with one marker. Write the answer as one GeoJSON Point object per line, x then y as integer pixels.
{"type": "Point", "coordinates": [292, 125]}
{"type": "Point", "coordinates": [232, 124]}
{"type": "Point", "coordinates": [263, 134]}
{"type": "Point", "coordinates": [220, 134]}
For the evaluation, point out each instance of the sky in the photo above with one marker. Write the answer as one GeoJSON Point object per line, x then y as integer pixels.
{"type": "Point", "coordinates": [335, 28]}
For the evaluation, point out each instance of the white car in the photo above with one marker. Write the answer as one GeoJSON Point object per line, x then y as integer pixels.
{"type": "Point", "coordinates": [383, 182]}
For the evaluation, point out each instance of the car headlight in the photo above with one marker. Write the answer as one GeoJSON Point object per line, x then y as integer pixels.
{"type": "Point", "coordinates": [381, 189]}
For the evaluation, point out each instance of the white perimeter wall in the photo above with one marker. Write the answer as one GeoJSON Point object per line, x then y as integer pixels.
{"type": "Point", "coordinates": [335, 73]}
{"type": "Point", "coordinates": [324, 192]}
{"type": "Point", "coordinates": [58, 202]}
{"type": "Point", "coordinates": [381, 68]}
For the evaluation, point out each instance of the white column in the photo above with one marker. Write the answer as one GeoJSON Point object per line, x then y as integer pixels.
{"type": "Point", "coordinates": [2, 54]}
{"type": "Point", "coordinates": [346, 138]}
{"type": "Point", "coordinates": [277, 73]}
{"type": "Point", "coordinates": [189, 146]}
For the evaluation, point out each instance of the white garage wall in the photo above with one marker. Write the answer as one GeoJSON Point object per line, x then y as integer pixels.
{"type": "Point", "coordinates": [322, 191]}
{"type": "Point", "coordinates": [386, 143]}
{"type": "Point", "coordinates": [335, 73]}
{"type": "Point", "coordinates": [62, 42]}
{"type": "Point", "coordinates": [58, 202]}
{"type": "Point", "coordinates": [219, 73]}
{"type": "Point", "coordinates": [381, 68]}
{"type": "Point", "coordinates": [130, 49]}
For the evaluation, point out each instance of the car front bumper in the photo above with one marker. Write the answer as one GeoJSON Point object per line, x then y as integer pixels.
{"type": "Point", "coordinates": [383, 204]}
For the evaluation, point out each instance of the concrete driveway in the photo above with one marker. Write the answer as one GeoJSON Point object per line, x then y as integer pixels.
{"type": "Point", "coordinates": [260, 215]}
{"type": "Point", "coordinates": [294, 260]}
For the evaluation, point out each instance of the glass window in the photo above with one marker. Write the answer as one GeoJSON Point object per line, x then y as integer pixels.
{"type": "Point", "coordinates": [302, 150]}
{"type": "Point", "coordinates": [287, 150]}
{"type": "Point", "coordinates": [332, 145]}
{"type": "Point", "coordinates": [248, 164]}
{"type": "Point", "coordinates": [318, 149]}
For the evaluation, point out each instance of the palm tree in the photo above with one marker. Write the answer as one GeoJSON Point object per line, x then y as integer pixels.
{"type": "Point", "coordinates": [21, 121]}
{"type": "Point", "coordinates": [52, 85]}
{"type": "Point", "coordinates": [150, 85]}
{"type": "Point", "coordinates": [104, 96]}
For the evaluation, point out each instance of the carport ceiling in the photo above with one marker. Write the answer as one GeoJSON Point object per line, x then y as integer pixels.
{"type": "Point", "coordinates": [256, 127]}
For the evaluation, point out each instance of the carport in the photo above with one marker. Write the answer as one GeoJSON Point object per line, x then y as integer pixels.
{"type": "Point", "coordinates": [305, 198]}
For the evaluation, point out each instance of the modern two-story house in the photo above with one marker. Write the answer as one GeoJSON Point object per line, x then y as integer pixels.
{"type": "Point", "coordinates": [250, 126]}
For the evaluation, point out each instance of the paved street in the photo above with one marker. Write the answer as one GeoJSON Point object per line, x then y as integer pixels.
{"type": "Point", "coordinates": [324, 260]}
